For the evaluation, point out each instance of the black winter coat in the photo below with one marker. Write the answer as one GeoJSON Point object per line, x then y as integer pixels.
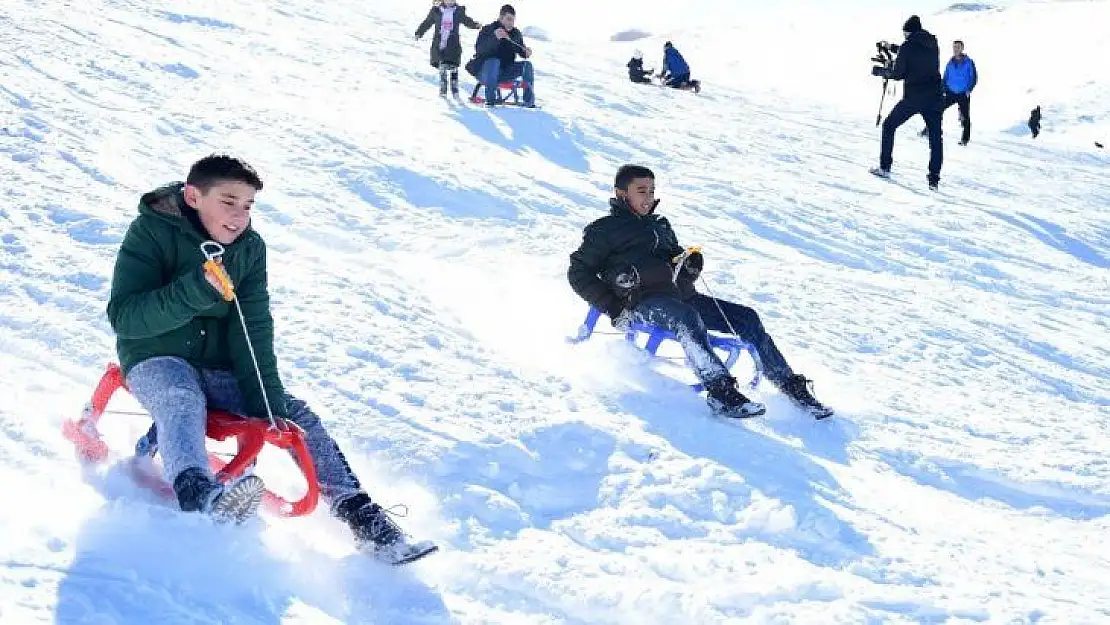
{"type": "Point", "coordinates": [452, 54]}
{"type": "Point", "coordinates": [624, 258]}
{"type": "Point", "coordinates": [488, 45]}
{"type": "Point", "coordinates": [918, 64]}
{"type": "Point", "coordinates": [636, 71]}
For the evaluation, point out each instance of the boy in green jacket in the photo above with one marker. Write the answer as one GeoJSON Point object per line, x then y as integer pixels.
{"type": "Point", "coordinates": [183, 349]}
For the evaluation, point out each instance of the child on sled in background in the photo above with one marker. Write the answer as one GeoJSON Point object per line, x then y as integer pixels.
{"type": "Point", "coordinates": [636, 71]}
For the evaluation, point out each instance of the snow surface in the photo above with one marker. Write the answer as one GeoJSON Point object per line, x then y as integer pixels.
{"type": "Point", "coordinates": [418, 258]}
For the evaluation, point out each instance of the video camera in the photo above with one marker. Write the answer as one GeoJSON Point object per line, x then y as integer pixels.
{"type": "Point", "coordinates": [884, 58]}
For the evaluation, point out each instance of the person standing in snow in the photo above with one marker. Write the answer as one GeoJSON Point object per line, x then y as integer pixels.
{"type": "Point", "coordinates": [183, 349]}
{"type": "Point", "coordinates": [676, 72]}
{"type": "Point", "coordinates": [495, 54]}
{"type": "Point", "coordinates": [960, 78]}
{"type": "Point", "coordinates": [636, 71]}
{"type": "Point", "coordinates": [918, 64]}
{"type": "Point", "coordinates": [1035, 121]}
{"type": "Point", "coordinates": [446, 52]}
{"type": "Point", "coordinates": [631, 267]}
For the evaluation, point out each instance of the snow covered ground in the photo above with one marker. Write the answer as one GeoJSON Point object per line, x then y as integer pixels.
{"type": "Point", "coordinates": [418, 257]}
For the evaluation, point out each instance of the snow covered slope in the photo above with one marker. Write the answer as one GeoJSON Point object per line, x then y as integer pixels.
{"type": "Point", "coordinates": [418, 253]}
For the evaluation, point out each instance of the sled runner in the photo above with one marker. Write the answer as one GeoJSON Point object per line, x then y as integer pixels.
{"type": "Point", "coordinates": [514, 87]}
{"type": "Point", "coordinates": [251, 436]}
{"type": "Point", "coordinates": [656, 336]}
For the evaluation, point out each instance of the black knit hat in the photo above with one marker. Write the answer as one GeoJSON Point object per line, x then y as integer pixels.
{"type": "Point", "coordinates": [508, 8]}
{"type": "Point", "coordinates": [912, 25]}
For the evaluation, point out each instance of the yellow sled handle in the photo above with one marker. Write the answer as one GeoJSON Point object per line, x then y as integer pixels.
{"type": "Point", "coordinates": [213, 264]}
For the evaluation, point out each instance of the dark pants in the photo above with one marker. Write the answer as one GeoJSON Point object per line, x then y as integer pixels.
{"type": "Point", "coordinates": [493, 73]}
{"type": "Point", "coordinates": [963, 103]}
{"type": "Point", "coordinates": [929, 109]}
{"type": "Point", "coordinates": [690, 322]}
{"type": "Point", "coordinates": [643, 80]}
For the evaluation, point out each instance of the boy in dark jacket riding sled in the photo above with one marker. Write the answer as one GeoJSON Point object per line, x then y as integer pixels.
{"type": "Point", "coordinates": [446, 52]}
{"type": "Point", "coordinates": [183, 348]}
{"type": "Point", "coordinates": [626, 267]}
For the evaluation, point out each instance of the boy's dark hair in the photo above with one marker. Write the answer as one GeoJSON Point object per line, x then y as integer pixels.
{"type": "Point", "coordinates": [508, 8]}
{"type": "Point", "coordinates": [216, 168]}
{"type": "Point", "coordinates": [959, 42]}
{"type": "Point", "coordinates": [627, 173]}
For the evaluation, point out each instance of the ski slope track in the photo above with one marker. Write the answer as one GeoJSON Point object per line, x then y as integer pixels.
{"type": "Point", "coordinates": [418, 252]}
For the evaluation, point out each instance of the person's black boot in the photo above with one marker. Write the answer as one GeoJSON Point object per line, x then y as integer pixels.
{"type": "Point", "coordinates": [376, 533]}
{"type": "Point", "coordinates": [237, 501]}
{"type": "Point", "coordinates": [725, 399]}
{"type": "Point", "coordinates": [800, 389]}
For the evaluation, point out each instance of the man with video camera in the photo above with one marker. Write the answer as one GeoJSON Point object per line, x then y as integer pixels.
{"type": "Point", "coordinates": [918, 65]}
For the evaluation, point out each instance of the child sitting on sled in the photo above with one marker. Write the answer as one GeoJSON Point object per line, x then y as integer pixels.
{"type": "Point", "coordinates": [636, 71]}
{"type": "Point", "coordinates": [183, 347]}
{"type": "Point", "coordinates": [626, 267]}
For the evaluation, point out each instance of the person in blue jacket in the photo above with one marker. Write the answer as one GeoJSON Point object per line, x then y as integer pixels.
{"type": "Point", "coordinates": [959, 80]}
{"type": "Point", "coordinates": [676, 72]}
{"type": "Point", "coordinates": [960, 77]}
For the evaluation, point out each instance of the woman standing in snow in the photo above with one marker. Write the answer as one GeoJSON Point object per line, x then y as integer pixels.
{"type": "Point", "coordinates": [446, 54]}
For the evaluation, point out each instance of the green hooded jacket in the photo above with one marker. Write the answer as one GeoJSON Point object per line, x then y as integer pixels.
{"type": "Point", "coordinates": [162, 305]}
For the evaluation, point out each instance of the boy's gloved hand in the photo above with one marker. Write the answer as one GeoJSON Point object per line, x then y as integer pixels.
{"type": "Point", "coordinates": [216, 275]}
{"type": "Point", "coordinates": [695, 262]}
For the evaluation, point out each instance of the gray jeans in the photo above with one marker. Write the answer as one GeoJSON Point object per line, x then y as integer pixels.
{"type": "Point", "coordinates": [178, 396]}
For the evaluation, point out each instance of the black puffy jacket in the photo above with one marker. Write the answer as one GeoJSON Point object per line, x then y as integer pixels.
{"type": "Point", "coordinates": [918, 64]}
{"type": "Point", "coordinates": [625, 257]}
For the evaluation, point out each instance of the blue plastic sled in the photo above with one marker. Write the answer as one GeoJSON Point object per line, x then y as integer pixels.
{"type": "Point", "coordinates": [657, 335]}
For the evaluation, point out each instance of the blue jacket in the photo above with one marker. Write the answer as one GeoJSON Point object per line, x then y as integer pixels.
{"type": "Point", "coordinates": [960, 76]}
{"type": "Point", "coordinates": [674, 64]}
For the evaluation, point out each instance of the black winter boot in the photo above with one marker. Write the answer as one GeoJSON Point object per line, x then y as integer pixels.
{"type": "Point", "coordinates": [726, 399]}
{"type": "Point", "coordinates": [800, 389]}
{"type": "Point", "coordinates": [368, 521]}
{"type": "Point", "coordinates": [195, 490]}
{"type": "Point", "coordinates": [237, 501]}
{"type": "Point", "coordinates": [377, 534]}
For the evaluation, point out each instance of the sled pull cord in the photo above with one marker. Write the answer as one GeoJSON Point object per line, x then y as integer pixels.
{"type": "Point", "coordinates": [679, 260]}
{"type": "Point", "coordinates": [213, 253]}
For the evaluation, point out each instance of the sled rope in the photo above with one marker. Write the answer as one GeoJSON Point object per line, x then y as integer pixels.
{"type": "Point", "coordinates": [210, 262]}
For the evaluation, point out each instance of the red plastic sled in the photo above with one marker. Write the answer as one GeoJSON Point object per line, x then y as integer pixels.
{"type": "Point", "coordinates": [250, 434]}
{"type": "Point", "coordinates": [514, 87]}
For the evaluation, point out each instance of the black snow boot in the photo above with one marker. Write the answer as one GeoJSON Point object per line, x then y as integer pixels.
{"type": "Point", "coordinates": [377, 534]}
{"type": "Point", "coordinates": [237, 501]}
{"type": "Point", "coordinates": [370, 524]}
{"type": "Point", "coordinates": [726, 399]}
{"type": "Point", "coordinates": [800, 389]}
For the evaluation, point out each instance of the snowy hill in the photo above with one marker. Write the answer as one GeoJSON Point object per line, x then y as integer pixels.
{"type": "Point", "coordinates": [418, 253]}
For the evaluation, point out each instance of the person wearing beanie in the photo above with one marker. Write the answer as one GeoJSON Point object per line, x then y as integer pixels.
{"type": "Point", "coordinates": [495, 62]}
{"type": "Point", "coordinates": [636, 71]}
{"type": "Point", "coordinates": [918, 66]}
